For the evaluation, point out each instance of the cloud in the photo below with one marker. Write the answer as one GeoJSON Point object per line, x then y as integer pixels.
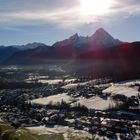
{"type": "Point", "coordinates": [33, 5]}
{"type": "Point", "coordinates": [63, 13]}
{"type": "Point", "coordinates": [126, 7]}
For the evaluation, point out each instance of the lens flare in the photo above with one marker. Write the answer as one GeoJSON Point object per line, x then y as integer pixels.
{"type": "Point", "coordinates": [94, 7]}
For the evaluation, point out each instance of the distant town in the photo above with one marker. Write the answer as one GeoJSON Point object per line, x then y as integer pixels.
{"type": "Point", "coordinates": [102, 107]}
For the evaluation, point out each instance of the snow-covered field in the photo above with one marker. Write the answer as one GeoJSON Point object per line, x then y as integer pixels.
{"type": "Point", "coordinates": [56, 81]}
{"type": "Point", "coordinates": [53, 99]}
{"type": "Point", "coordinates": [95, 103]}
{"type": "Point", "coordinates": [128, 83]}
{"type": "Point", "coordinates": [67, 132]}
{"type": "Point", "coordinates": [70, 80]}
{"type": "Point", "coordinates": [91, 103]}
{"type": "Point", "coordinates": [48, 130]}
{"type": "Point", "coordinates": [122, 89]}
{"type": "Point", "coordinates": [74, 85]}
{"type": "Point", "coordinates": [44, 79]}
{"type": "Point", "coordinates": [48, 81]}
{"type": "Point", "coordinates": [70, 86]}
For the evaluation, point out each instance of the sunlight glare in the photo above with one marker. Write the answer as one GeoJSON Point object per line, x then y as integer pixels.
{"type": "Point", "coordinates": [94, 7]}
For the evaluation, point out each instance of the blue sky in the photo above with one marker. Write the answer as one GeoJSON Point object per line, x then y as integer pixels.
{"type": "Point", "coordinates": [48, 21]}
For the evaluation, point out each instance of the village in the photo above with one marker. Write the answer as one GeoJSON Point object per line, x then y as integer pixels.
{"type": "Point", "coordinates": [76, 103]}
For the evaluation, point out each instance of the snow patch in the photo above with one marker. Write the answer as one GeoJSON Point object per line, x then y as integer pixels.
{"type": "Point", "coordinates": [123, 90]}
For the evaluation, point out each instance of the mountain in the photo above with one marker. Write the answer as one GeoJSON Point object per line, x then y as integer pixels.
{"type": "Point", "coordinates": [99, 54]}
{"type": "Point", "coordinates": [29, 46]}
{"type": "Point", "coordinates": [67, 49]}
{"type": "Point", "coordinates": [103, 38]}
{"type": "Point", "coordinates": [119, 62]}
{"type": "Point", "coordinates": [36, 55]}
{"type": "Point", "coordinates": [6, 52]}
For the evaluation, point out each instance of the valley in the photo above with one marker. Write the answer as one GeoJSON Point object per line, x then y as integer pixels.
{"type": "Point", "coordinates": [67, 106]}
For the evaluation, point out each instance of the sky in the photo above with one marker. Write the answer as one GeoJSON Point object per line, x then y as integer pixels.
{"type": "Point", "coordinates": [49, 21]}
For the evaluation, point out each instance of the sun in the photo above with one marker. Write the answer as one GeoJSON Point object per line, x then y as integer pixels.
{"type": "Point", "coordinates": [94, 7]}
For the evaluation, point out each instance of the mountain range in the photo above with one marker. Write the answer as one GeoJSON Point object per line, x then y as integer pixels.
{"type": "Point", "coordinates": [100, 53]}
